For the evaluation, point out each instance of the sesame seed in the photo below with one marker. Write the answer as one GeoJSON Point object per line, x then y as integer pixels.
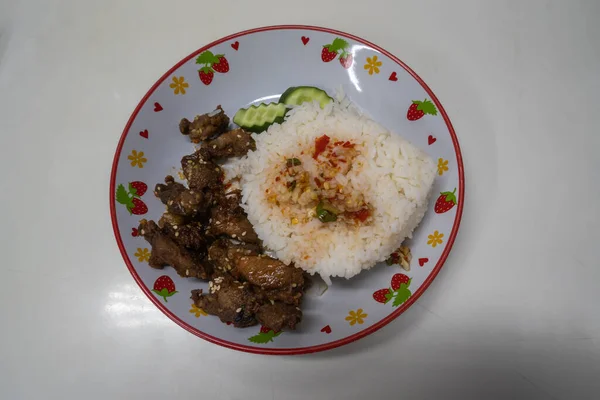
{"type": "Point", "coordinates": [142, 232]}
{"type": "Point", "coordinates": [240, 287]}
{"type": "Point", "coordinates": [176, 234]}
{"type": "Point", "coordinates": [244, 233]}
{"type": "Point", "coordinates": [187, 272]}
{"type": "Point", "coordinates": [238, 310]}
{"type": "Point", "coordinates": [218, 223]}
{"type": "Point", "coordinates": [294, 285]}
{"type": "Point", "coordinates": [175, 227]}
{"type": "Point", "coordinates": [247, 143]}
{"type": "Point", "coordinates": [239, 136]}
{"type": "Point", "coordinates": [158, 189]}
{"type": "Point", "coordinates": [298, 308]}
{"type": "Point", "coordinates": [170, 202]}
{"type": "Point", "coordinates": [217, 169]}
{"type": "Point", "coordinates": [233, 236]}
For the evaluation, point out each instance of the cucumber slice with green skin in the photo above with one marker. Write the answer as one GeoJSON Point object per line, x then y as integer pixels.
{"type": "Point", "coordinates": [258, 118]}
{"type": "Point", "coordinates": [297, 95]}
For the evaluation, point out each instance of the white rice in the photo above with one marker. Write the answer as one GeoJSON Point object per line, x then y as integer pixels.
{"type": "Point", "coordinates": [394, 176]}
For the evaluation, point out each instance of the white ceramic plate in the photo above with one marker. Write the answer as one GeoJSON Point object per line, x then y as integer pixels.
{"type": "Point", "coordinates": [262, 63]}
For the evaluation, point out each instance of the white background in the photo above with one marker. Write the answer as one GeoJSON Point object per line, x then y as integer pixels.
{"type": "Point", "coordinates": [514, 314]}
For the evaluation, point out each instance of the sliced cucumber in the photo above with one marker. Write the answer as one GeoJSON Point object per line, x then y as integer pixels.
{"type": "Point", "coordinates": [297, 95]}
{"type": "Point", "coordinates": [259, 118]}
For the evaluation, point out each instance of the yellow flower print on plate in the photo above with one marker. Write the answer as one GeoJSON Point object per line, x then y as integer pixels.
{"type": "Point", "coordinates": [435, 238]}
{"type": "Point", "coordinates": [197, 311]}
{"type": "Point", "coordinates": [137, 158]}
{"type": "Point", "coordinates": [179, 85]}
{"type": "Point", "coordinates": [373, 65]}
{"type": "Point", "coordinates": [142, 254]}
{"type": "Point", "coordinates": [442, 166]}
{"type": "Point", "coordinates": [357, 316]}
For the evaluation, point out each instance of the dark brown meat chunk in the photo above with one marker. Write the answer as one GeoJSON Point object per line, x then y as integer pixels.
{"type": "Point", "coordinates": [189, 235]}
{"type": "Point", "coordinates": [269, 273]}
{"type": "Point", "coordinates": [289, 295]}
{"type": "Point", "coordinates": [181, 200]}
{"type": "Point", "coordinates": [201, 173]}
{"type": "Point", "coordinates": [223, 254]}
{"type": "Point", "coordinates": [169, 190]}
{"type": "Point", "coordinates": [188, 203]}
{"type": "Point", "coordinates": [171, 219]}
{"type": "Point", "coordinates": [231, 223]}
{"type": "Point", "coordinates": [165, 251]}
{"type": "Point", "coordinates": [235, 143]}
{"type": "Point", "coordinates": [205, 126]}
{"type": "Point", "coordinates": [278, 316]}
{"type": "Point", "coordinates": [156, 262]}
{"type": "Point", "coordinates": [229, 200]}
{"type": "Point", "coordinates": [230, 300]}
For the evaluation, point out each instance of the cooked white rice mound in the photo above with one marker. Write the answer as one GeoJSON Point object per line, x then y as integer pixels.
{"type": "Point", "coordinates": [394, 177]}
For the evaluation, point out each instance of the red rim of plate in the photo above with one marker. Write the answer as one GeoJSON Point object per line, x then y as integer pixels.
{"type": "Point", "coordinates": [299, 350]}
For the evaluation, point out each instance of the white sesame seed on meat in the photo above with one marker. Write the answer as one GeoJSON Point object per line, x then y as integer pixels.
{"type": "Point", "coordinates": [238, 310]}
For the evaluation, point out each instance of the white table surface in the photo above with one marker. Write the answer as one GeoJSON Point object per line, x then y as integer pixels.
{"type": "Point", "coordinates": [514, 314]}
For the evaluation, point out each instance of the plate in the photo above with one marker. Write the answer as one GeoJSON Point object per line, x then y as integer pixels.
{"type": "Point", "coordinates": [260, 64]}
